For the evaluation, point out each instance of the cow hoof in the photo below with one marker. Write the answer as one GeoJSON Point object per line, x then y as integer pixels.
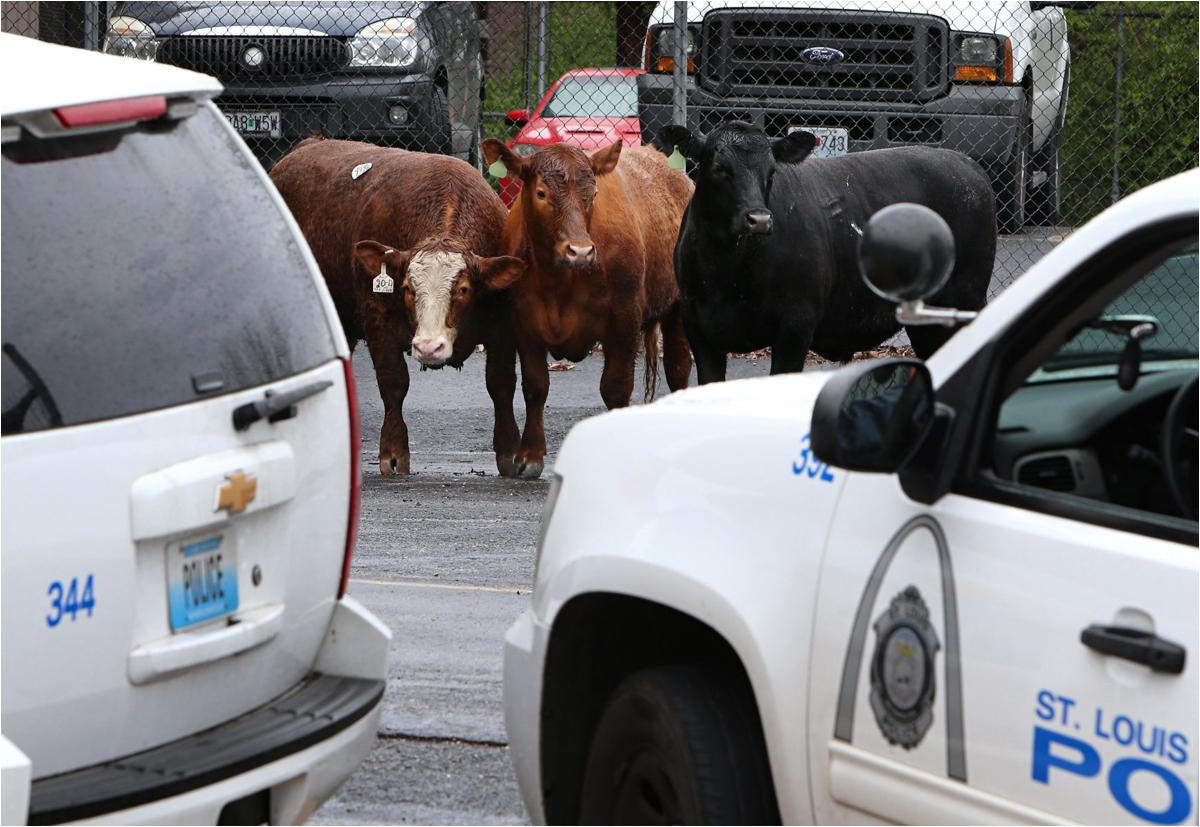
{"type": "Point", "coordinates": [393, 465]}
{"type": "Point", "coordinates": [507, 466]}
{"type": "Point", "coordinates": [530, 470]}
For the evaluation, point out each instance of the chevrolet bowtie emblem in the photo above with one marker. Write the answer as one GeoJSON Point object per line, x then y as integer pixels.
{"type": "Point", "coordinates": [237, 492]}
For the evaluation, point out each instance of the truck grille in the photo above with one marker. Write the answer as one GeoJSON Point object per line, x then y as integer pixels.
{"type": "Point", "coordinates": [887, 57]}
{"type": "Point", "coordinates": [282, 57]}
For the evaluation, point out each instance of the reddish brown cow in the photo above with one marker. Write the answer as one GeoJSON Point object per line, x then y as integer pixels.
{"type": "Point", "coordinates": [430, 226]}
{"type": "Point", "coordinates": [598, 237]}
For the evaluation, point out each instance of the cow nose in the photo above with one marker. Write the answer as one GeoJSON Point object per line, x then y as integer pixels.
{"type": "Point", "coordinates": [430, 350]}
{"type": "Point", "coordinates": [580, 253]}
{"type": "Point", "coordinates": [758, 221]}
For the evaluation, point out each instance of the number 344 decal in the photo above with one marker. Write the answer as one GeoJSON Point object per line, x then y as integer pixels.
{"type": "Point", "coordinates": [806, 463]}
{"type": "Point", "coordinates": [70, 600]}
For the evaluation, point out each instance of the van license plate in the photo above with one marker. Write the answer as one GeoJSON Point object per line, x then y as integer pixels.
{"type": "Point", "coordinates": [831, 141]}
{"type": "Point", "coordinates": [255, 123]}
{"type": "Point", "coordinates": [201, 579]}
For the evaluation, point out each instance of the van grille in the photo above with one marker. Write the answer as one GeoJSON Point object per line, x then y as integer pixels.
{"type": "Point", "coordinates": [887, 57]}
{"type": "Point", "coordinates": [283, 57]}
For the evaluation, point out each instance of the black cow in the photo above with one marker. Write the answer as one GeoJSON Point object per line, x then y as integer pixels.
{"type": "Point", "coordinates": [768, 249]}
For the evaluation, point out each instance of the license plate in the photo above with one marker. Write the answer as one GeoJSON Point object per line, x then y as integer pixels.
{"type": "Point", "coordinates": [255, 123]}
{"type": "Point", "coordinates": [831, 141]}
{"type": "Point", "coordinates": [201, 579]}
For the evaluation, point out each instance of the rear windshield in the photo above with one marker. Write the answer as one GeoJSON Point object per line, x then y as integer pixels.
{"type": "Point", "coordinates": [594, 97]}
{"type": "Point", "coordinates": [153, 274]}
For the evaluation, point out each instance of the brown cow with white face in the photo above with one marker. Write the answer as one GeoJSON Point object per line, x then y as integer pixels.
{"type": "Point", "coordinates": [598, 236]}
{"type": "Point", "coordinates": [408, 250]}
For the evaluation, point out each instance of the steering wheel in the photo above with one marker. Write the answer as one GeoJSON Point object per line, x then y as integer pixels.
{"type": "Point", "coordinates": [1179, 448]}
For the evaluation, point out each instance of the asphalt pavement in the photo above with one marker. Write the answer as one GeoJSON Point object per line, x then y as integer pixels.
{"type": "Point", "coordinates": [445, 558]}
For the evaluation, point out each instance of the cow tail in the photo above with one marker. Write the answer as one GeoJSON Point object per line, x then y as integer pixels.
{"type": "Point", "coordinates": [651, 383]}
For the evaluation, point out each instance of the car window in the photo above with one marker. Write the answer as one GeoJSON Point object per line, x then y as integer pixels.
{"type": "Point", "coordinates": [1167, 295]}
{"type": "Point", "coordinates": [152, 274]}
{"type": "Point", "coordinates": [1089, 416]}
{"type": "Point", "coordinates": [594, 97]}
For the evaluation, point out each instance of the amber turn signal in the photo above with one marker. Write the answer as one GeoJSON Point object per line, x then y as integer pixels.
{"type": "Point", "coordinates": [667, 64]}
{"type": "Point", "coordinates": [975, 73]}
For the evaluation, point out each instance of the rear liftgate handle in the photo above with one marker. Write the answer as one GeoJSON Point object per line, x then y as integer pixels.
{"type": "Point", "coordinates": [1136, 645]}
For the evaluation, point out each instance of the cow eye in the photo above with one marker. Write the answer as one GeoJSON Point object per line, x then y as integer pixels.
{"type": "Point", "coordinates": [541, 194]}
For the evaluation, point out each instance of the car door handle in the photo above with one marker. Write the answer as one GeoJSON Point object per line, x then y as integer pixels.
{"type": "Point", "coordinates": [1136, 645]}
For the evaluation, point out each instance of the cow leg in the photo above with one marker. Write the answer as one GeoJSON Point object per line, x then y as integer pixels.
{"type": "Point", "coordinates": [789, 352]}
{"type": "Point", "coordinates": [392, 375]}
{"type": "Point", "coordinates": [926, 339]}
{"type": "Point", "coordinates": [677, 356]}
{"type": "Point", "coordinates": [620, 355]}
{"type": "Point", "coordinates": [501, 373]}
{"type": "Point", "coordinates": [535, 385]}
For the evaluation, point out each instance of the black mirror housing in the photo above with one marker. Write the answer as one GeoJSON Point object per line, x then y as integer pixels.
{"type": "Point", "coordinates": [873, 416]}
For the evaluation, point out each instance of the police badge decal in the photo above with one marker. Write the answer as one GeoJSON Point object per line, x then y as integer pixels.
{"type": "Point", "coordinates": [903, 669]}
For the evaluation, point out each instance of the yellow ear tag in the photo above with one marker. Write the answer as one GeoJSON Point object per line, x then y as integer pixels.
{"type": "Point", "coordinates": [498, 170]}
{"type": "Point", "coordinates": [676, 160]}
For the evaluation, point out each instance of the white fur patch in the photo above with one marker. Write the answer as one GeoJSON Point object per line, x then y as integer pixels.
{"type": "Point", "coordinates": [432, 276]}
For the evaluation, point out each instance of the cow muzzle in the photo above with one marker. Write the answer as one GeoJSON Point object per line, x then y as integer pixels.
{"type": "Point", "coordinates": [431, 352]}
{"type": "Point", "coordinates": [577, 253]}
{"type": "Point", "coordinates": [758, 222]}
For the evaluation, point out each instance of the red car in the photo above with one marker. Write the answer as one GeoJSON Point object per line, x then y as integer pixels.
{"type": "Point", "coordinates": [587, 108]}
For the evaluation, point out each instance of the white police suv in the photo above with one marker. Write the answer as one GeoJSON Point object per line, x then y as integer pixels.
{"type": "Point", "coordinates": [954, 592]}
{"type": "Point", "coordinates": [180, 478]}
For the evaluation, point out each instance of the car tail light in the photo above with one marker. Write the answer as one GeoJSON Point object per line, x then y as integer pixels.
{"type": "Point", "coordinates": [355, 476]}
{"type": "Point", "coordinates": [111, 112]}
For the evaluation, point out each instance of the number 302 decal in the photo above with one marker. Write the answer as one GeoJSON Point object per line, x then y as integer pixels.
{"type": "Point", "coordinates": [806, 463]}
{"type": "Point", "coordinates": [69, 601]}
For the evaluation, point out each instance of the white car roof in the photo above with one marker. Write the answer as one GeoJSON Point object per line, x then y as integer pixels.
{"type": "Point", "coordinates": [63, 76]}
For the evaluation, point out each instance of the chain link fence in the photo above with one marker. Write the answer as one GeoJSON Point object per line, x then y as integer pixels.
{"type": "Point", "coordinates": [1067, 106]}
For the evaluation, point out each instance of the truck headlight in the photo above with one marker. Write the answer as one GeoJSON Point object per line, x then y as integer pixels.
{"type": "Point", "coordinates": [982, 58]}
{"type": "Point", "coordinates": [130, 37]}
{"type": "Point", "coordinates": [388, 43]}
{"type": "Point", "coordinates": [660, 48]}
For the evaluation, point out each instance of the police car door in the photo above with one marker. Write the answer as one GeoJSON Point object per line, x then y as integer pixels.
{"type": "Point", "coordinates": [976, 659]}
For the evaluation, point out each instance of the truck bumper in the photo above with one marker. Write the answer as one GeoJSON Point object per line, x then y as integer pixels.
{"type": "Point", "coordinates": [524, 660]}
{"type": "Point", "coordinates": [351, 107]}
{"type": "Point", "coordinates": [980, 121]}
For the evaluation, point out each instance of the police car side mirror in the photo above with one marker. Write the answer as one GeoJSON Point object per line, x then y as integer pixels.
{"type": "Point", "coordinates": [872, 416]}
{"type": "Point", "coordinates": [906, 255]}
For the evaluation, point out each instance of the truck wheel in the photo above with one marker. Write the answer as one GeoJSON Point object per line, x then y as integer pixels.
{"type": "Point", "coordinates": [678, 745]}
{"type": "Point", "coordinates": [438, 139]}
{"type": "Point", "coordinates": [1045, 200]}
{"type": "Point", "coordinates": [1013, 183]}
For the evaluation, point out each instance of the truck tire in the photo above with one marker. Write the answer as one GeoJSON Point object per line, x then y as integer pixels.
{"type": "Point", "coordinates": [1044, 204]}
{"type": "Point", "coordinates": [438, 139]}
{"type": "Point", "coordinates": [1012, 183]}
{"type": "Point", "coordinates": [678, 745]}
{"type": "Point", "coordinates": [1045, 200]}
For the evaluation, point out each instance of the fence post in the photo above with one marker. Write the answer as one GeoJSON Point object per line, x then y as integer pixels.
{"type": "Point", "coordinates": [679, 73]}
{"type": "Point", "coordinates": [543, 19]}
{"type": "Point", "coordinates": [91, 26]}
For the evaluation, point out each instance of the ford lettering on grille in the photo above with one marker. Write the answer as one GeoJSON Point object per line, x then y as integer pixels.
{"type": "Point", "coordinates": [822, 55]}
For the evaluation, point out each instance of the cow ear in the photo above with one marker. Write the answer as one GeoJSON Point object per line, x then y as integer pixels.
{"type": "Point", "coordinates": [605, 161]}
{"type": "Point", "coordinates": [793, 148]}
{"type": "Point", "coordinates": [499, 272]}
{"type": "Point", "coordinates": [674, 135]}
{"type": "Point", "coordinates": [494, 150]}
{"type": "Point", "coordinates": [372, 255]}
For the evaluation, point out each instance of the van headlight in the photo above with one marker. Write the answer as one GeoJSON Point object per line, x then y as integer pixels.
{"type": "Point", "coordinates": [388, 43]}
{"type": "Point", "coordinates": [130, 37]}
